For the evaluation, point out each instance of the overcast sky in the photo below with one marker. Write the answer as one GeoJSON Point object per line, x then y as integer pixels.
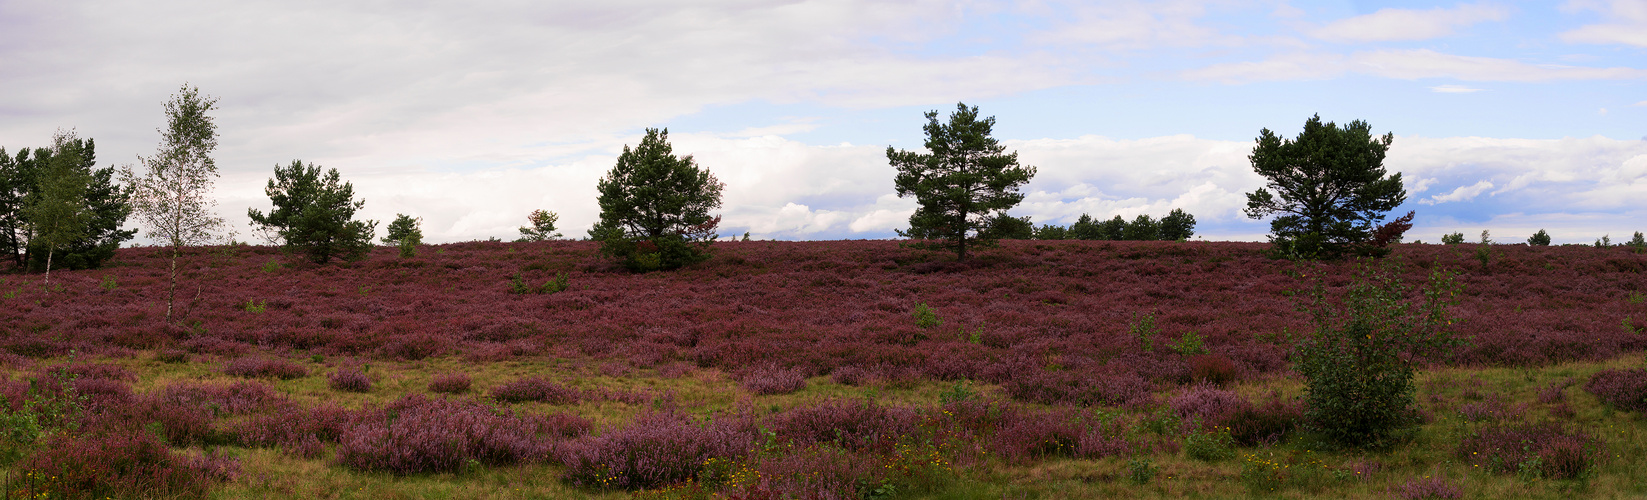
{"type": "Point", "coordinates": [1508, 116]}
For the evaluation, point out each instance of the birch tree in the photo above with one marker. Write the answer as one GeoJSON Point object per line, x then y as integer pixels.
{"type": "Point", "coordinates": [172, 198]}
{"type": "Point", "coordinates": [57, 211]}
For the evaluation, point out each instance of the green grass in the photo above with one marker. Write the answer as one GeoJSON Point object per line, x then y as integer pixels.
{"type": "Point", "coordinates": [1306, 469]}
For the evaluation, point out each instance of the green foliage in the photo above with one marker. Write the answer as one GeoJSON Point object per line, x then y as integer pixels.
{"type": "Point", "coordinates": [1085, 228]}
{"type": "Point", "coordinates": [255, 307]}
{"type": "Point", "coordinates": [1051, 232]}
{"type": "Point", "coordinates": [1141, 470]}
{"type": "Point", "coordinates": [1638, 241]}
{"type": "Point", "coordinates": [314, 214]}
{"type": "Point", "coordinates": [405, 233]}
{"type": "Point", "coordinates": [1190, 344]}
{"type": "Point", "coordinates": [654, 207]}
{"type": "Point", "coordinates": [1604, 242]}
{"type": "Point", "coordinates": [962, 186]}
{"type": "Point", "coordinates": [1210, 446]}
{"type": "Point", "coordinates": [57, 212]}
{"type": "Point", "coordinates": [272, 266]}
{"type": "Point", "coordinates": [51, 404]}
{"type": "Point", "coordinates": [1142, 228]}
{"type": "Point", "coordinates": [961, 391]}
{"type": "Point", "coordinates": [1452, 239]}
{"type": "Point", "coordinates": [1143, 328]}
{"type": "Point", "coordinates": [1540, 239]}
{"type": "Point", "coordinates": [556, 285]}
{"type": "Point", "coordinates": [172, 199]}
{"type": "Point", "coordinates": [1178, 225]}
{"type": "Point", "coordinates": [1114, 229]}
{"type": "Point", "coordinates": [1358, 365]}
{"type": "Point", "coordinates": [925, 317]}
{"type": "Point", "coordinates": [1329, 187]}
{"type": "Point", "coordinates": [109, 283]}
{"type": "Point", "coordinates": [1005, 227]}
{"type": "Point", "coordinates": [70, 163]}
{"type": "Point", "coordinates": [542, 228]}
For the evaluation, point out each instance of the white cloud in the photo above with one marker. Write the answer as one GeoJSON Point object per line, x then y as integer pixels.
{"type": "Point", "coordinates": [1129, 25]}
{"type": "Point", "coordinates": [1642, 103]}
{"type": "Point", "coordinates": [1627, 23]}
{"type": "Point", "coordinates": [1454, 89]}
{"type": "Point", "coordinates": [1406, 65]}
{"type": "Point", "coordinates": [1463, 193]}
{"type": "Point", "coordinates": [1408, 24]}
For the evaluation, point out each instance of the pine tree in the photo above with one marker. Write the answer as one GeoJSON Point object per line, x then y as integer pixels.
{"type": "Point", "coordinates": [962, 186]}
{"type": "Point", "coordinates": [1328, 187]}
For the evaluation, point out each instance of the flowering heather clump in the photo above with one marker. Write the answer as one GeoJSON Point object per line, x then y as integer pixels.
{"type": "Point", "coordinates": [237, 398]}
{"type": "Point", "coordinates": [1027, 436]}
{"type": "Point", "coordinates": [292, 426]}
{"type": "Point", "coordinates": [416, 434]}
{"type": "Point", "coordinates": [1491, 409]}
{"type": "Point", "coordinates": [100, 371]}
{"type": "Point", "coordinates": [350, 380]}
{"type": "Point", "coordinates": [118, 464]}
{"type": "Point", "coordinates": [854, 426]}
{"type": "Point", "coordinates": [450, 383]}
{"type": "Point", "coordinates": [537, 389]}
{"type": "Point", "coordinates": [771, 379]}
{"type": "Point", "coordinates": [102, 393]}
{"type": "Point", "coordinates": [181, 425]}
{"type": "Point", "coordinates": [1556, 392]}
{"type": "Point", "coordinates": [1544, 449]}
{"type": "Point", "coordinates": [265, 368]}
{"type": "Point", "coordinates": [1071, 387]}
{"type": "Point", "coordinates": [818, 472]}
{"type": "Point", "coordinates": [1266, 423]}
{"type": "Point", "coordinates": [1213, 369]}
{"type": "Point", "coordinates": [653, 450]}
{"type": "Point", "coordinates": [1208, 405]}
{"type": "Point", "coordinates": [1430, 487]}
{"type": "Point", "coordinates": [1623, 389]}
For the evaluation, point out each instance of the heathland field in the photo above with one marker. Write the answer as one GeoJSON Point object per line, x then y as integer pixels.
{"type": "Point", "coordinates": [839, 369]}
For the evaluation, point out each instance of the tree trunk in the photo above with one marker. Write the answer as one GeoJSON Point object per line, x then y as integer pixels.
{"type": "Point", "coordinates": [171, 290]}
{"type": "Point", "coordinates": [49, 251]}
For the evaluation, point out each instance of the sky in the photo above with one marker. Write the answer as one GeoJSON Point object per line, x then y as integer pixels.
{"type": "Point", "coordinates": [1508, 116]}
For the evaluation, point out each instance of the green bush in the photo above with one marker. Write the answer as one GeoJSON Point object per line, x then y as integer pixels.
{"type": "Point", "coordinates": [1210, 446]}
{"type": "Point", "coordinates": [1143, 327]}
{"type": "Point", "coordinates": [518, 286]}
{"type": "Point", "coordinates": [1190, 344]}
{"type": "Point", "coordinates": [925, 317]}
{"type": "Point", "coordinates": [1359, 363]}
{"type": "Point", "coordinates": [1539, 239]}
{"type": "Point", "coordinates": [1452, 239]}
{"type": "Point", "coordinates": [1141, 470]}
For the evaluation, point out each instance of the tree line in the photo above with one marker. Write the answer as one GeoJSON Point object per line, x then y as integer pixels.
{"type": "Point", "coordinates": [1327, 194]}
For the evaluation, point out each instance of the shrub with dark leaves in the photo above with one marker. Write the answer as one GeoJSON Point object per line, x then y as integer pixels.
{"type": "Point", "coordinates": [1266, 423]}
{"type": "Point", "coordinates": [349, 379]}
{"type": "Point", "coordinates": [1545, 449]}
{"type": "Point", "coordinates": [817, 472]}
{"type": "Point", "coordinates": [237, 398]}
{"type": "Point", "coordinates": [292, 426]}
{"type": "Point", "coordinates": [536, 389]}
{"type": "Point", "coordinates": [653, 450]}
{"type": "Point", "coordinates": [855, 426]}
{"type": "Point", "coordinates": [1070, 387]}
{"type": "Point", "coordinates": [1213, 369]}
{"type": "Point", "coordinates": [119, 464]}
{"type": "Point", "coordinates": [1623, 389]}
{"type": "Point", "coordinates": [416, 434]}
{"type": "Point", "coordinates": [772, 379]}
{"type": "Point", "coordinates": [1430, 487]}
{"type": "Point", "coordinates": [1208, 405]}
{"type": "Point", "coordinates": [265, 368]}
{"type": "Point", "coordinates": [1030, 435]}
{"type": "Point", "coordinates": [80, 371]}
{"type": "Point", "coordinates": [450, 383]}
{"type": "Point", "coordinates": [180, 425]}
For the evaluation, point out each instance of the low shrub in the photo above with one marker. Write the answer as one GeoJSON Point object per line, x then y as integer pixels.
{"type": "Point", "coordinates": [772, 379]}
{"type": "Point", "coordinates": [1540, 450]}
{"type": "Point", "coordinates": [1210, 406]}
{"type": "Point", "coordinates": [854, 426]}
{"type": "Point", "coordinates": [536, 389]}
{"type": "Point", "coordinates": [821, 472]}
{"type": "Point", "coordinates": [171, 356]}
{"type": "Point", "coordinates": [349, 379]}
{"type": "Point", "coordinates": [1213, 369]}
{"type": "Point", "coordinates": [82, 371]}
{"type": "Point", "coordinates": [1430, 487]}
{"type": "Point", "coordinates": [292, 427]}
{"type": "Point", "coordinates": [1209, 445]}
{"type": "Point", "coordinates": [1266, 423]}
{"type": "Point", "coordinates": [1141, 470]}
{"type": "Point", "coordinates": [237, 398]}
{"type": "Point", "coordinates": [265, 368]}
{"type": "Point", "coordinates": [1074, 388]}
{"type": "Point", "coordinates": [450, 383]}
{"type": "Point", "coordinates": [1622, 389]}
{"type": "Point", "coordinates": [654, 450]}
{"type": "Point", "coordinates": [416, 434]}
{"type": "Point", "coordinates": [1491, 409]}
{"type": "Point", "coordinates": [1556, 392]}
{"type": "Point", "coordinates": [180, 425]}
{"type": "Point", "coordinates": [123, 465]}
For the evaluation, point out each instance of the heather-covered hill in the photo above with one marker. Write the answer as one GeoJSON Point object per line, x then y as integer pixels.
{"type": "Point", "coordinates": [1051, 321]}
